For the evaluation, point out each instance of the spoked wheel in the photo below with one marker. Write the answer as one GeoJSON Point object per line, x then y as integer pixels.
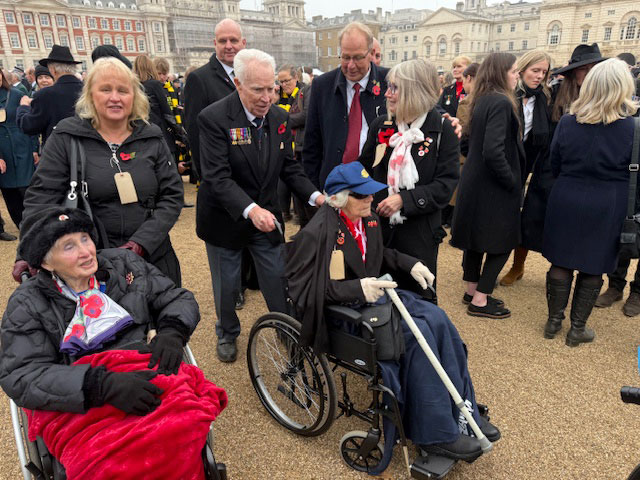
{"type": "Point", "coordinates": [635, 475]}
{"type": "Point", "coordinates": [295, 385]}
{"type": "Point", "coordinates": [350, 445]}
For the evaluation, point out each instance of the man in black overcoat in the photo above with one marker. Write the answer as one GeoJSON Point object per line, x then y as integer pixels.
{"type": "Point", "coordinates": [245, 147]}
{"type": "Point", "coordinates": [211, 82]}
{"type": "Point", "coordinates": [38, 115]}
{"type": "Point", "coordinates": [327, 129]}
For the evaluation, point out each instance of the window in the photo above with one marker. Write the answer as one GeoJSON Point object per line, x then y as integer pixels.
{"type": "Point", "coordinates": [75, 21]}
{"type": "Point", "coordinates": [473, 27]}
{"type": "Point", "coordinates": [64, 40]}
{"type": "Point", "coordinates": [157, 27]}
{"type": "Point", "coordinates": [9, 17]}
{"type": "Point", "coordinates": [139, 26]}
{"type": "Point", "coordinates": [526, 26]}
{"type": "Point", "coordinates": [44, 20]}
{"type": "Point", "coordinates": [427, 50]}
{"type": "Point", "coordinates": [61, 21]}
{"type": "Point", "coordinates": [92, 22]}
{"type": "Point", "coordinates": [497, 46]}
{"type": "Point", "coordinates": [131, 46]}
{"type": "Point", "coordinates": [510, 46]}
{"type": "Point", "coordinates": [471, 49]}
{"type": "Point", "coordinates": [328, 35]}
{"type": "Point", "coordinates": [79, 43]}
{"type": "Point", "coordinates": [106, 40]}
{"type": "Point", "coordinates": [20, 63]}
{"type": "Point", "coordinates": [442, 47]}
{"type": "Point", "coordinates": [414, 54]}
{"type": "Point", "coordinates": [84, 65]}
{"type": "Point", "coordinates": [631, 29]}
{"type": "Point", "coordinates": [587, 15]}
{"type": "Point", "coordinates": [513, 27]}
{"type": "Point", "coordinates": [111, 5]}
{"type": "Point", "coordinates": [119, 43]}
{"type": "Point", "coordinates": [95, 41]}
{"type": "Point", "coordinates": [48, 40]}
{"type": "Point", "coordinates": [611, 12]}
{"type": "Point", "coordinates": [141, 45]}
{"type": "Point", "coordinates": [415, 38]}
{"type": "Point", "coordinates": [499, 29]}
{"type": "Point", "coordinates": [406, 39]}
{"type": "Point", "coordinates": [127, 25]}
{"type": "Point", "coordinates": [607, 34]}
{"type": "Point", "coordinates": [31, 40]}
{"type": "Point", "coordinates": [525, 44]}
{"type": "Point", "coordinates": [554, 35]}
{"type": "Point", "coordinates": [99, 4]}
{"type": "Point", "coordinates": [159, 45]}
{"type": "Point", "coordinates": [456, 47]}
{"type": "Point", "coordinates": [405, 56]}
{"type": "Point", "coordinates": [104, 24]}
{"type": "Point", "coordinates": [27, 19]}
{"type": "Point", "coordinates": [319, 34]}
{"type": "Point", "coordinates": [585, 36]}
{"type": "Point", "coordinates": [116, 24]}
{"type": "Point", "coordinates": [14, 40]}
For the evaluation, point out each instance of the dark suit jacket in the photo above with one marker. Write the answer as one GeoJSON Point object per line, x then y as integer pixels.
{"type": "Point", "coordinates": [233, 176]}
{"type": "Point", "coordinates": [49, 106]}
{"type": "Point", "coordinates": [205, 86]}
{"type": "Point", "coordinates": [327, 120]}
{"type": "Point", "coordinates": [449, 95]}
{"type": "Point", "coordinates": [438, 172]}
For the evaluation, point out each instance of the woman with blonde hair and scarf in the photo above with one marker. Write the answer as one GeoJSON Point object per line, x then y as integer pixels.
{"type": "Point", "coordinates": [416, 154]}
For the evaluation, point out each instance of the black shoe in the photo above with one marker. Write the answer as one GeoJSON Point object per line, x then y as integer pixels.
{"type": "Point", "coordinates": [466, 299]}
{"type": "Point", "coordinates": [7, 237]}
{"type": "Point", "coordinates": [490, 310]}
{"type": "Point", "coordinates": [489, 429]}
{"type": "Point", "coordinates": [228, 351]}
{"type": "Point", "coordinates": [188, 205]}
{"type": "Point", "coordinates": [240, 301]}
{"type": "Point", "coordinates": [464, 448]}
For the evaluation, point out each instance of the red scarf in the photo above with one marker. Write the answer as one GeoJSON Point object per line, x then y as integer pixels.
{"type": "Point", "coordinates": [357, 232]}
{"type": "Point", "coordinates": [458, 89]}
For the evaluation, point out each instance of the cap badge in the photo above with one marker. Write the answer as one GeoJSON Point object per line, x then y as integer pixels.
{"type": "Point", "coordinates": [364, 173]}
{"type": "Point", "coordinates": [63, 217]}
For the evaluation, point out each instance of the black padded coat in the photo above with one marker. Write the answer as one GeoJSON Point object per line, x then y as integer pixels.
{"type": "Point", "coordinates": [35, 374]}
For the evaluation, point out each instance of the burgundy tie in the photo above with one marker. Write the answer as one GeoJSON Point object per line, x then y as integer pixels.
{"type": "Point", "coordinates": [352, 148]}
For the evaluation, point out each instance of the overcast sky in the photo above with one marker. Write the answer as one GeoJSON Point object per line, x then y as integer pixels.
{"type": "Point", "coordinates": [332, 8]}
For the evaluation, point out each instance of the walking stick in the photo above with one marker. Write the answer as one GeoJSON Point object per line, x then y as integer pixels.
{"type": "Point", "coordinates": [484, 441]}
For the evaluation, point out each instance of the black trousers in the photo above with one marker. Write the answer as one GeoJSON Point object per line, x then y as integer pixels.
{"type": "Point", "coordinates": [14, 198]}
{"type": "Point", "coordinates": [484, 275]}
{"type": "Point", "coordinates": [618, 280]}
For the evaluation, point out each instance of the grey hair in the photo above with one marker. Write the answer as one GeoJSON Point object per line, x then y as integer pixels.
{"type": "Point", "coordinates": [62, 67]}
{"type": "Point", "coordinates": [359, 28]}
{"type": "Point", "coordinates": [250, 55]}
{"type": "Point", "coordinates": [287, 67]}
{"type": "Point", "coordinates": [337, 200]}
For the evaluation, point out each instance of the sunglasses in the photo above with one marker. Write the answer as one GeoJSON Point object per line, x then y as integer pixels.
{"type": "Point", "coordinates": [358, 196]}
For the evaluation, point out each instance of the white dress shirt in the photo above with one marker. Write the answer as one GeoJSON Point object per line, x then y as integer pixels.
{"type": "Point", "coordinates": [350, 94]}
{"type": "Point", "coordinates": [527, 110]}
{"type": "Point", "coordinates": [229, 71]}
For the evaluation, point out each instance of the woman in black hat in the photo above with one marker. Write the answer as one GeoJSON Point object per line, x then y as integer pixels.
{"type": "Point", "coordinates": [43, 76]}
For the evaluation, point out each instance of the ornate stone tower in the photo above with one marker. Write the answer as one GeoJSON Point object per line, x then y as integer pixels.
{"type": "Point", "coordinates": [285, 10]}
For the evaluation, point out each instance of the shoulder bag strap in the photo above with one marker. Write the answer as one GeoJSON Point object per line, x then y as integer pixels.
{"type": "Point", "coordinates": [71, 200]}
{"type": "Point", "coordinates": [633, 168]}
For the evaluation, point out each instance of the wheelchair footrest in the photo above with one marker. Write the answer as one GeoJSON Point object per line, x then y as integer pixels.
{"type": "Point", "coordinates": [431, 467]}
{"type": "Point", "coordinates": [222, 471]}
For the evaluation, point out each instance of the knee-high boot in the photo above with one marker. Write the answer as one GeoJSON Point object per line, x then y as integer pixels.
{"type": "Point", "coordinates": [558, 292]}
{"type": "Point", "coordinates": [584, 298]}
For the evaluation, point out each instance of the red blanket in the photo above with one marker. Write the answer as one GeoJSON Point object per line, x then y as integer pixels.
{"type": "Point", "coordinates": [105, 443]}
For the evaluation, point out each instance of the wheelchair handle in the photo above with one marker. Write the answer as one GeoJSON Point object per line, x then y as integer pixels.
{"type": "Point", "coordinates": [630, 395]}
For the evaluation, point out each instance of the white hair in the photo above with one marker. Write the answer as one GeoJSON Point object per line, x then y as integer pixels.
{"type": "Point", "coordinates": [337, 200]}
{"type": "Point", "coordinates": [245, 57]}
{"type": "Point", "coordinates": [62, 67]}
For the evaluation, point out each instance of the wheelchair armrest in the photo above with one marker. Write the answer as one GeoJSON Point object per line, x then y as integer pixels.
{"type": "Point", "coordinates": [339, 312]}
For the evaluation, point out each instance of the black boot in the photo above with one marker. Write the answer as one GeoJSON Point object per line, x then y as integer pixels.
{"type": "Point", "coordinates": [584, 298]}
{"type": "Point", "coordinates": [558, 292]}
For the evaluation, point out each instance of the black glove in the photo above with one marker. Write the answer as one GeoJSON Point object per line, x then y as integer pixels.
{"type": "Point", "coordinates": [166, 351]}
{"type": "Point", "coordinates": [131, 392]}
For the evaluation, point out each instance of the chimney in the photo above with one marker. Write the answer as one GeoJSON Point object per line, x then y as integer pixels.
{"type": "Point", "coordinates": [460, 6]}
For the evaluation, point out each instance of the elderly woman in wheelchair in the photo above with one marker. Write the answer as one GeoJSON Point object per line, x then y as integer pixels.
{"type": "Point", "coordinates": [335, 260]}
{"type": "Point", "coordinates": [74, 352]}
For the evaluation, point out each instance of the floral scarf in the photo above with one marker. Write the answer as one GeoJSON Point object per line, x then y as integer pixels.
{"type": "Point", "coordinates": [96, 321]}
{"type": "Point", "coordinates": [402, 172]}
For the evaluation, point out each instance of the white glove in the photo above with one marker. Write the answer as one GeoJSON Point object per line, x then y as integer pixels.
{"type": "Point", "coordinates": [373, 288]}
{"type": "Point", "coordinates": [422, 275]}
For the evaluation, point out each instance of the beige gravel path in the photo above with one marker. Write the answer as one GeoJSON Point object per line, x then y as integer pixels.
{"type": "Point", "coordinates": [558, 408]}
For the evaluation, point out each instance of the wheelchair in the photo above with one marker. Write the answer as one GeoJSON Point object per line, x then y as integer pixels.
{"type": "Point", "coordinates": [297, 388]}
{"type": "Point", "coordinates": [37, 463]}
{"type": "Point", "coordinates": [631, 395]}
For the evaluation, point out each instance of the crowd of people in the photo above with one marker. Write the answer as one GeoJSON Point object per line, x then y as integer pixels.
{"type": "Point", "coordinates": [511, 156]}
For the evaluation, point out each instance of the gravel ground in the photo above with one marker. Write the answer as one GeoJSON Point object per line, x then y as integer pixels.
{"type": "Point", "coordinates": [558, 408]}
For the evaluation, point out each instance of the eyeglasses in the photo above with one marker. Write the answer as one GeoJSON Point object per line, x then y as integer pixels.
{"type": "Point", "coordinates": [287, 80]}
{"type": "Point", "coordinates": [358, 196]}
{"type": "Point", "coordinates": [393, 88]}
{"type": "Point", "coordinates": [355, 58]}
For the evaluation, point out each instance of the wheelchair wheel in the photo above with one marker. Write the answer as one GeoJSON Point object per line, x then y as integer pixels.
{"type": "Point", "coordinates": [295, 385]}
{"type": "Point", "coordinates": [350, 443]}
{"type": "Point", "coordinates": [635, 475]}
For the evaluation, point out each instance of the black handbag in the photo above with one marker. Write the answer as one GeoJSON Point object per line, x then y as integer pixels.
{"type": "Point", "coordinates": [386, 323]}
{"type": "Point", "coordinates": [630, 236]}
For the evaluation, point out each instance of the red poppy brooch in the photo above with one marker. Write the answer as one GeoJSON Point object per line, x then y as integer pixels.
{"type": "Point", "coordinates": [376, 88]}
{"type": "Point", "coordinates": [385, 134]}
{"type": "Point", "coordinates": [282, 128]}
{"type": "Point", "coordinates": [127, 156]}
{"type": "Point", "coordinates": [372, 223]}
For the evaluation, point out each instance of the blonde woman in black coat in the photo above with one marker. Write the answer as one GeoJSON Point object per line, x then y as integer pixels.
{"type": "Point", "coordinates": [417, 155]}
{"type": "Point", "coordinates": [487, 215]}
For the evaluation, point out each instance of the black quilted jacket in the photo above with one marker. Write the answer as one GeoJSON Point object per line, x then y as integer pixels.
{"type": "Point", "coordinates": [35, 374]}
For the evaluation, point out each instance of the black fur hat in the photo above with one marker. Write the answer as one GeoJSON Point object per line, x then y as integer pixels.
{"type": "Point", "coordinates": [40, 231]}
